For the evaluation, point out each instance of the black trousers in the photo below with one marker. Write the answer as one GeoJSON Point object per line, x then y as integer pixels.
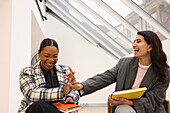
{"type": "Point", "coordinates": [42, 107]}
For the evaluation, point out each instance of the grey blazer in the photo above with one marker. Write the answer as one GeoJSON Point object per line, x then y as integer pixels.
{"type": "Point", "coordinates": [124, 74]}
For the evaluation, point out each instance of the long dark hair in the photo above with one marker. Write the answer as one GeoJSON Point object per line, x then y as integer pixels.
{"type": "Point", "coordinates": [158, 57]}
{"type": "Point", "coordinates": [48, 42]}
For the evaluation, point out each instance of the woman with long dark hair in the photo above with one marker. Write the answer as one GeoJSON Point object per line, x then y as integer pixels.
{"type": "Point", "coordinates": [148, 68]}
{"type": "Point", "coordinates": [158, 57]}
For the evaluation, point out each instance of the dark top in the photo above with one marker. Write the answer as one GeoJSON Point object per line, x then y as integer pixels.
{"type": "Point", "coordinates": [51, 80]}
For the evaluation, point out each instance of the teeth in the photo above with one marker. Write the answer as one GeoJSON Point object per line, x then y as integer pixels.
{"type": "Point", "coordinates": [136, 49]}
{"type": "Point", "coordinates": [49, 64]}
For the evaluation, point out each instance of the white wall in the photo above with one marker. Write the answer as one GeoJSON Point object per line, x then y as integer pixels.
{"type": "Point", "coordinates": [5, 39]}
{"type": "Point", "coordinates": [20, 48]}
{"type": "Point", "coordinates": [85, 59]}
{"type": "Point", "coordinates": [36, 35]}
{"type": "Point", "coordinates": [15, 32]}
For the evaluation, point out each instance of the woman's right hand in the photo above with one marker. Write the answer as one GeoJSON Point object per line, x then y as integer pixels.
{"type": "Point", "coordinates": [77, 86]}
{"type": "Point", "coordinates": [119, 101]}
{"type": "Point", "coordinates": [70, 77]}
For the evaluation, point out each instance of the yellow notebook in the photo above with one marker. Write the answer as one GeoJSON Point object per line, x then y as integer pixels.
{"type": "Point", "coordinates": [129, 94]}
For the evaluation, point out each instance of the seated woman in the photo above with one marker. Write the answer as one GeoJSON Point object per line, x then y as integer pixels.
{"type": "Point", "coordinates": [43, 83]}
{"type": "Point", "coordinates": [148, 68]}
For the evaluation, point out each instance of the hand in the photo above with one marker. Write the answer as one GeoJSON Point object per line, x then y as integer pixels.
{"type": "Point", "coordinates": [67, 88]}
{"type": "Point", "coordinates": [71, 80]}
{"type": "Point", "coordinates": [77, 86]}
{"type": "Point", "coordinates": [69, 99]}
{"type": "Point", "coordinates": [119, 101]}
{"type": "Point", "coordinates": [72, 83]}
{"type": "Point", "coordinates": [70, 77]}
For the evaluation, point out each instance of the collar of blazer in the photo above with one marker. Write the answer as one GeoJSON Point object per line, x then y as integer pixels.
{"type": "Point", "coordinates": [59, 71]}
{"type": "Point", "coordinates": [148, 80]}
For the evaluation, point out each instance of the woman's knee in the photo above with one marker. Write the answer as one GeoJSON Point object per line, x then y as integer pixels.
{"type": "Point", "coordinates": [36, 106]}
{"type": "Point", "coordinates": [124, 109]}
{"type": "Point", "coordinates": [39, 104]}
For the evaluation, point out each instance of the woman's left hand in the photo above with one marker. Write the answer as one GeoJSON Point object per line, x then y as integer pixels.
{"type": "Point", "coordinates": [69, 99]}
{"type": "Point", "coordinates": [67, 88]}
{"type": "Point", "coordinates": [119, 101]}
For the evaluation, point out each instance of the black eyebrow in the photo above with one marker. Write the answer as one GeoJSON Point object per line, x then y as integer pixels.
{"type": "Point", "coordinates": [47, 53]}
{"type": "Point", "coordinates": [137, 40]}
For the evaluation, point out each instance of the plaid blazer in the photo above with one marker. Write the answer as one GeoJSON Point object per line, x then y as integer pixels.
{"type": "Point", "coordinates": [32, 85]}
{"type": "Point", "coordinates": [124, 74]}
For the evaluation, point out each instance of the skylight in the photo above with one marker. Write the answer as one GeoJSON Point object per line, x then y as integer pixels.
{"type": "Point", "coordinates": [74, 4]}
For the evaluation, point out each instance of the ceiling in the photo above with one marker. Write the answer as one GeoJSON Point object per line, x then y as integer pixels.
{"type": "Point", "coordinates": [107, 24]}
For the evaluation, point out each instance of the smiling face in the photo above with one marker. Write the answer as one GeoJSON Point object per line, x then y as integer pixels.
{"type": "Point", "coordinates": [48, 57]}
{"type": "Point", "coordinates": [141, 48]}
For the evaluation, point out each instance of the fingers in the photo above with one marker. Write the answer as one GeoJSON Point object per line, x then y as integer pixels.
{"type": "Point", "coordinates": [69, 99]}
{"type": "Point", "coordinates": [109, 98]}
{"type": "Point", "coordinates": [71, 72]}
{"type": "Point", "coordinates": [71, 79]}
{"type": "Point", "coordinates": [120, 99]}
{"type": "Point", "coordinates": [124, 101]}
{"type": "Point", "coordinates": [116, 101]}
{"type": "Point", "coordinates": [65, 79]}
{"type": "Point", "coordinates": [70, 75]}
{"type": "Point", "coordinates": [77, 86]}
{"type": "Point", "coordinates": [66, 74]}
{"type": "Point", "coordinates": [70, 69]}
{"type": "Point", "coordinates": [76, 83]}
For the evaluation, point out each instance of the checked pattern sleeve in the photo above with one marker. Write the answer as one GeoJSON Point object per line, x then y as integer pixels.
{"type": "Point", "coordinates": [32, 87]}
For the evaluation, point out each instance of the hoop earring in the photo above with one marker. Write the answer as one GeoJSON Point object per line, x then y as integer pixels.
{"type": "Point", "coordinates": [149, 52]}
